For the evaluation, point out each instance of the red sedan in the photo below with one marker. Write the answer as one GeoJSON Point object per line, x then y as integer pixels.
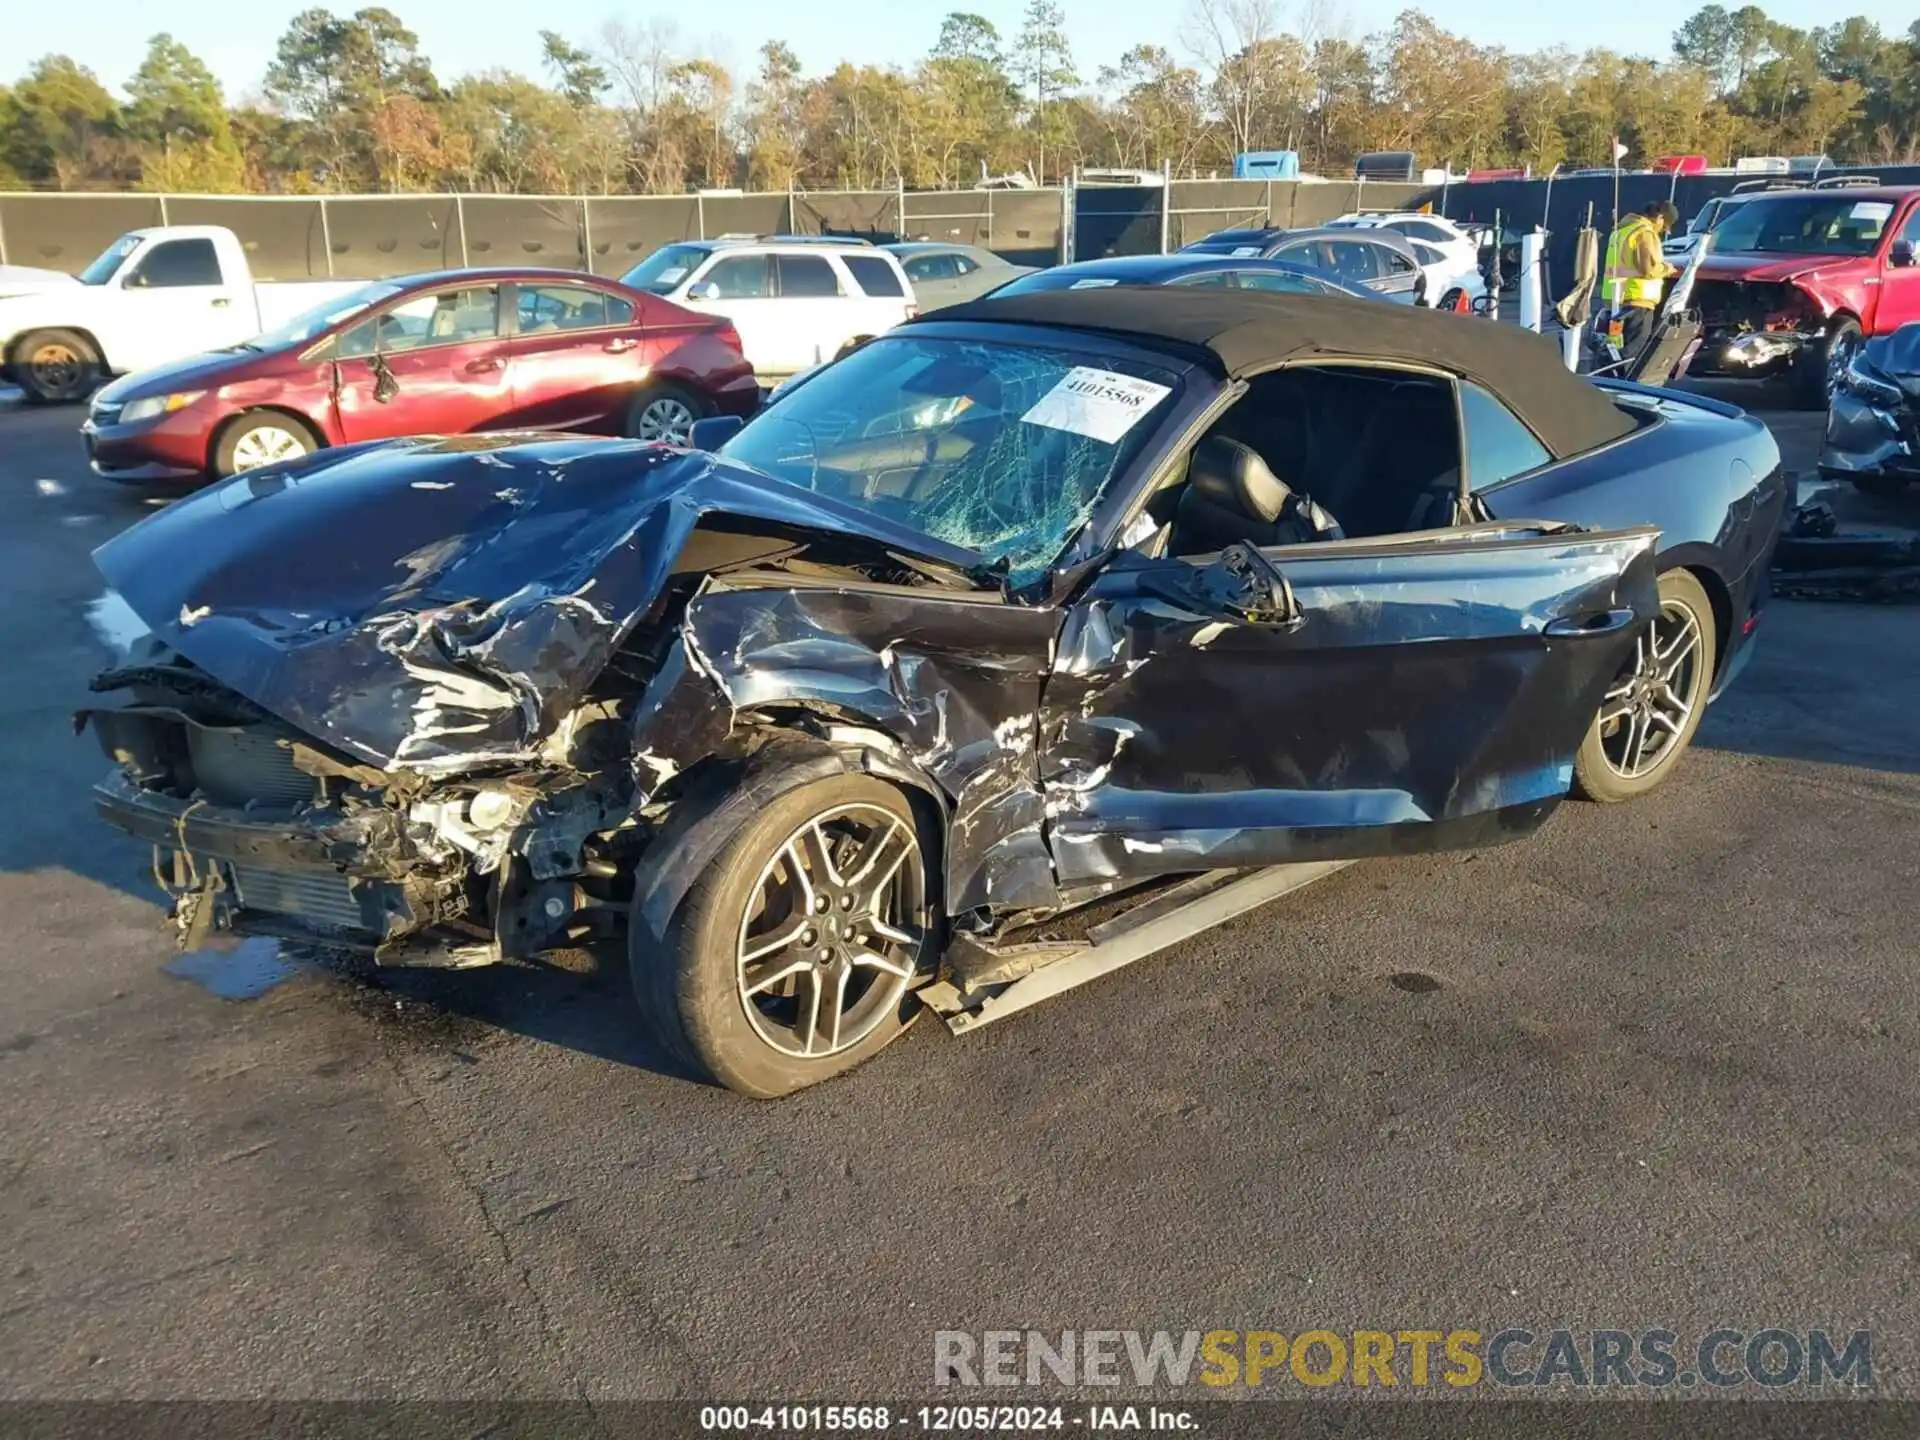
{"type": "Point", "coordinates": [437, 354]}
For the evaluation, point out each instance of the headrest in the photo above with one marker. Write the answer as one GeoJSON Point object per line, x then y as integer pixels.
{"type": "Point", "coordinates": [1233, 475]}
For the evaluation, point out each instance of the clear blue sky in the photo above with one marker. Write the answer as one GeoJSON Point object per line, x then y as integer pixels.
{"type": "Point", "coordinates": [237, 40]}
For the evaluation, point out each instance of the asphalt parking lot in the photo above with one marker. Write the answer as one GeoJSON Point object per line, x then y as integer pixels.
{"type": "Point", "coordinates": [1653, 1068]}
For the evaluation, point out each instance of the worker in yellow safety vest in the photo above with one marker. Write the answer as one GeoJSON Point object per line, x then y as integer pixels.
{"type": "Point", "coordinates": [1636, 274]}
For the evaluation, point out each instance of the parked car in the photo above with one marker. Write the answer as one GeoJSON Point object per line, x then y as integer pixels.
{"type": "Point", "coordinates": [152, 296]}
{"type": "Point", "coordinates": [1796, 278]}
{"type": "Point", "coordinates": [1459, 245]}
{"type": "Point", "coordinates": [1678, 247]}
{"type": "Point", "coordinates": [1873, 430]}
{"type": "Point", "coordinates": [1377, 260]}
{"type": "Point", "coordinates": [796, 300]}
{"type": "Point", "coordinates": [944, 274]}
{"type": "Point", "coordinates": [438, 354]}
{"type": "Point", "coordinates": [1184, 267]}
{"type": "Point", "coordinates": [1446, 283]}
{"type": "Point", "coordinates": [1012, 609]}
{"type": "Point", "coordinates": [1180, 268]}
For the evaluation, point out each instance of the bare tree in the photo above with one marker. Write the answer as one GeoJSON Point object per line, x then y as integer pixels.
{"type": "Point", "coordinates": [1233, 39]}
{"type": "Point", "coordinates": [641, 59]}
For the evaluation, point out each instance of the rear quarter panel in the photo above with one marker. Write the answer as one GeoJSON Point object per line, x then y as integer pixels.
{"type": "Point", "coordinates": [1707, 475]}
{"type": "Point", "coordinates": [682, 345]}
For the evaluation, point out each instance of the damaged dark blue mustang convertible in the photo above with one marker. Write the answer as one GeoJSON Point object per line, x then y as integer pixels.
{"type": "Point", "coordinates": [1018, 644]}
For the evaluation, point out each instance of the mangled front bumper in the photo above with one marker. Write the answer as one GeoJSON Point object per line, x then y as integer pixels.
{"type": "Point", "coordinates": [326, 871]}
{"type": "Point", "coordinates": [1864, 438]}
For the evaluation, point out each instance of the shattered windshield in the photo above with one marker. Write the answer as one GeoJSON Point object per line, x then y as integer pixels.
{"type": "Point", "coordinates": [1003, 449]}
{"type": "Point", "coordinates": [1836, 224]}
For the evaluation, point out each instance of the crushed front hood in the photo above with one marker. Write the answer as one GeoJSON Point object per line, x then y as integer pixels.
{"type": "Point", "coordinates": [435, 605]}
{"type": "Point", "coordinates": [1896, 354]}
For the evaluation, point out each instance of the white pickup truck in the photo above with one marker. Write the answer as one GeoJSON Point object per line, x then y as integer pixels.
{"type": "Point", "coordinates": [153, 295]}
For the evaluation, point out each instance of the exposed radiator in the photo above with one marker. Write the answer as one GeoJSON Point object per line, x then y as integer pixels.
{"type": "Point", "coordinates": [319, 897]}
{"type": "Point", "coordinates": [234, 767]}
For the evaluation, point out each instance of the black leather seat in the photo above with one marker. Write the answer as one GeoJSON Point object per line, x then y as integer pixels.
{"type": "Point", "coordinates": [1433, 508]}
{"type": "Point", "coordinates": [1231, 496]}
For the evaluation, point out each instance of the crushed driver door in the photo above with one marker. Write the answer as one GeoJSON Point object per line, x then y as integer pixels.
{"type": "Point", "coordinates": [1335, 700]}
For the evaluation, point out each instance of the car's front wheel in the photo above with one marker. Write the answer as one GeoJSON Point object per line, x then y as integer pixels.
{"type": "Point", "coordinates": [265, 437]}
{"type": "Point", "coordinates": [794, 956]}
{"type": "Point", "coordinates": [1656, 703]}
{"type": "Point", "coordinates": [1821, 366]}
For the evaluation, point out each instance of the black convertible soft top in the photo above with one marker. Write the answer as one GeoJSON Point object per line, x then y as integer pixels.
{"type": "Point", "coordinates": [1246, 331]}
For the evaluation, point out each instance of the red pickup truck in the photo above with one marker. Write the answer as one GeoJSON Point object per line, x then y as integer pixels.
{"type": "Point", "coordinates": [1794, 280]}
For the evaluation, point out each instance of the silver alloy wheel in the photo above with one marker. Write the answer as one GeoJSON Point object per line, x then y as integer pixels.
{"type": "Point", "coordinates": [667, 419]}
{"type": "Point", "coordinates": [1838, 355]}
{"type": "Point", "coordinates": [265, 444]}
{"type": "Point", "coordinates": [1646, 712]}
{"type": "Point", "coordinates": [833, 933]}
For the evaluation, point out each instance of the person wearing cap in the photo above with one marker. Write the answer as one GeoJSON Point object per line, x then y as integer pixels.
{"type": "Point", "coordinates": [1636, 273]}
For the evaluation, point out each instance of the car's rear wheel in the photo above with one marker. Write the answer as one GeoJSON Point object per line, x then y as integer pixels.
{"type": "Point", "coordinates": [664, 413]}
{"type": "Point", "coordinates": [1654, 706]}
{"type": "Point", "coordinates": [265, 437]}
{"type": "Point", "coordinates": [57, 366]}
{"type": "Point", "coordinates": [794, 955]}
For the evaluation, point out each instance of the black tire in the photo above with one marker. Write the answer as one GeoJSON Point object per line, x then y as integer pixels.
{"type": "Point", "coordinates": [1598, 772]}
{"type": "Point", "coordinates": [57, 367]}
{"type": "Point", "coordinates": [1813, 376]}
{"type": "Point", "coordinates": [231, 452]}
{"type": "Point", "coordinates": [650, 402]}
{"type": "Point", "coordinates": [693, 989]}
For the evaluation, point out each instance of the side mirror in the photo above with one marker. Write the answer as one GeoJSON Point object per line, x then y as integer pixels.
{"type": "Point", "coordinates": [705, 290]}
{"type": "Point", "coordinates": [1259, 593]}
{"type": "Point", "coordinates": [1900, 253]}
{"type": "Point", "coordinates": [714, 431]}
{"type": "Point", "coordinates": [1241, 584]}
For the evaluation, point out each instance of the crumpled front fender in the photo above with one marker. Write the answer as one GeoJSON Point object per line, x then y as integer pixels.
{"type": "Point", "coordinates": [714, 806]}
{"type": "Point", "coordinates": [936, 688]}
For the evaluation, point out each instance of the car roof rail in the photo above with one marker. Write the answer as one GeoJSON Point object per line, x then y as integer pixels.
{"type": "Point", "coordinates": [779, 239]}
{"type": "Point", "coordinates": [1747, 187]}
{"type": "Point", "coordinates": [1846, 182]}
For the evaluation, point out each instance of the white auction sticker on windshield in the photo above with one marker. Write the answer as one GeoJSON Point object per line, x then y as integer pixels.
{"type": "Point", "coordinates": [671, 277]}
{"type": "Point", "coordinates": [1092, 284]}
{"type": "Point", "coordinates": [1873, 210]}
{"type": "Point", "coordinates": [1096, 403]}
{"type": "Point", "coordinates": [1242, 252]}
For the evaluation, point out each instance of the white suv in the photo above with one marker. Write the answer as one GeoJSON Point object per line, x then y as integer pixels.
{"type": "Point", "coordinates": [1452, 255]}
{"type": "Point", "coordinates": [796, 301]}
